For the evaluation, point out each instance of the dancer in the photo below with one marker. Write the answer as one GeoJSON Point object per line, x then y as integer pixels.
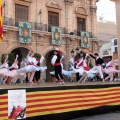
{"type": "Point", "coordinates": [78, 66]}
{"type": "Point", "coordinates": [4, 68]}
{"type": "Point", "coordinates": [110, 70]}
{"type": "Point", "coordinates": [12, 73]}
{"type": "Point", "coordinates": [87, 72]}
{"type": "Point", "coordinates": [31, 67]}
{"type": "Point", "coordinates": [98, 62]}
{"type": "Point", "coordinates": [37, 73]}
{"type": "Point", "coordinates": [56, 62]}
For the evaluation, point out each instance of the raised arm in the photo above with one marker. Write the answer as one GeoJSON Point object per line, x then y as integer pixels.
{"type": "Point", "coordinates": [41, 59]}
{"type": "Point", "coordinates": [53, 59]}
{"type": "Point", "coordinates": [28, 53]}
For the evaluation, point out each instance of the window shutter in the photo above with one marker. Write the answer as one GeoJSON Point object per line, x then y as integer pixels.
{"type": "Point", "coordinates": [53, 19]}
{"type": "Point", "coordinates": [21, 13]}
{"type": "Point", "coordinates": [81, 24]}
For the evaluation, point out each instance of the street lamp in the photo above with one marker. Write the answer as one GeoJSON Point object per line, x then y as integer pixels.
{"type": "Point", "coordinates": [40, 13]}
{"type": "Point", "coordinates": [4, 5]}
{"type": "Point", "coordinates": [72, 53]}
{"type": "Point", "coordinates": [77, 50]}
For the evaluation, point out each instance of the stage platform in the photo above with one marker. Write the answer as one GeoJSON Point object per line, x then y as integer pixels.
{"type": "Point", "coordinates": [50, 101]}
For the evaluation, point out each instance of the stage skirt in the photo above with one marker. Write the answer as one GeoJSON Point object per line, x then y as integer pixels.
{"type": "Point", "coordinates": [111, 70]}
{"type": "Point", "coordinates": [67, 73]}
{"type": "Point", "coordinates": [31, 68]}
{"type": "Point", "coordinates": [91, 75]}
{"type": "Point", "coordinates": [80, 71]}
{"type": "Point", "coordinates": [3, 70]}
{"type": "Point", "coordinates": [13, 73]}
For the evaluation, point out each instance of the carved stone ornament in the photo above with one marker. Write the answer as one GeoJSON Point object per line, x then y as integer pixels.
{"type": "Point", "coordinates": [53, 4]}
{"type": "Point", "coordinates": [81, 10]}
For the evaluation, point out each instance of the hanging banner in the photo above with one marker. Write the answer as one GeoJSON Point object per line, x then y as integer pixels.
{"type": "Point", "coordinates": [25, 32]}
{"type": "Point", "coordinates": [56, 35]}
{"type": "Point", "coordinates": [85, 43]}
{"type": "Point", "coordinates": [1, 22]}
{"type": "Point", "coordinates": [16, 104]}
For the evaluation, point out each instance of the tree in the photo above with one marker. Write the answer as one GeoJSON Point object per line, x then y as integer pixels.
{"type": "Point", "coordinates": [11, 58]}
{"type": "Point", "coordinates": [37, 55]}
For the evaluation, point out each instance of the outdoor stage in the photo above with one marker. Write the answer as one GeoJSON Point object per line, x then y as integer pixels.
{"type": "Point", "coordinates": [50, 101]}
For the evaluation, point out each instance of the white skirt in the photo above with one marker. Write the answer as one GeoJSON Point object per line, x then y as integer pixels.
{"type": "Point", "coordinates": [31, 68]}
{"type": "Point", "coordinates": [3, 70]}
{"type": "Point", "coordinates": [80, 71]}
{"type": "Point", "coordinates": [67, 73]}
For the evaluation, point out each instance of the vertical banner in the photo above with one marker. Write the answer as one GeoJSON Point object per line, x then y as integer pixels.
{"type": "Point", "coordinates": [1, 22]}
{"type": "Point", "coordinates": [25, 32]}
{"type": "Point", "coordinates": [56, 35]}
{"type": "Point", "coordinates": [16, 104]}
{"type": "Point", "coordinates": [85, 43]}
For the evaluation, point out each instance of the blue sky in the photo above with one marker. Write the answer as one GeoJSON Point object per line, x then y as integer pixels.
{"type": "Point", "coordinates": [106, 9]}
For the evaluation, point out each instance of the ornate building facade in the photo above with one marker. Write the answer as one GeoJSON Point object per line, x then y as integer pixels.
{"type": "Point", "coordinates": [72, 16]}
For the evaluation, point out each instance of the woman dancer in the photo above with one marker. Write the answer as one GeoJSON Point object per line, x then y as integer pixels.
{"type": "Point", "coordinates": [78, 67]}
{"type": "Point", "coordinates": [12, 73]}
{"type": "Point", "coordinates": [31, 67]}
{"type": "Point", "coordinates": [87, 72]}
{"type": "Point", "coordinates": [4, 68]}
{"type": "Point", "coordinates": [110, 70]}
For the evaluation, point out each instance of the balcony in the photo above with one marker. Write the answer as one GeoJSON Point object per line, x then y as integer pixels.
{"type": "Point", "coordinates": [62, 29]}
{"type": "Point", "coordinates": [35, 26]}
{"type": "Point", "coordinates": [78, 33]}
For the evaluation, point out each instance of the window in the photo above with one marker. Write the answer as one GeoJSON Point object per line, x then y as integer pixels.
{"type": "Point", "coordinates": [116, 49]}
{"type": "Point", "coordinates": [53, 19]}
{"type": "Point", "coordinates": [115, 42]}
{"type": "Point", "coordinates": [81, 26]}
{"type": "Point", "coordinates": [21, 13]}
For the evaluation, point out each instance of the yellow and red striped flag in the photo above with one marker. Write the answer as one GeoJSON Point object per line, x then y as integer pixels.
{"type": "Point", "coordinates": [1, 22]}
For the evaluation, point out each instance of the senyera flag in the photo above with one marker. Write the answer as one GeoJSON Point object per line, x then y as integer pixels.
{"type": "Point", "coordinates": [1, 22]}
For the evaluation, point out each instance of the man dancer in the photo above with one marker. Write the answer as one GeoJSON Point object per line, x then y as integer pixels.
{"type": "Point", "coordinates": [98, 62]}
{"type": "Point", "coordinates": [56, 62]}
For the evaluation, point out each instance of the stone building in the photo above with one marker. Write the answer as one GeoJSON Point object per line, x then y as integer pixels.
{"type": "Point", "coordinates": [72, 16]}
{"type": "Point", "coordinates": [117, 2]}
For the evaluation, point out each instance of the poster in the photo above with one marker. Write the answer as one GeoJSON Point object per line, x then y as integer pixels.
{"type": "Point", "coordinates": [85, 43]}
{"type": "Point", "coordinates": [16, 104]}
{"type": "Point", "coordinates": [25, 32]}
{"type": "Point", "coordinates": [56, 35]}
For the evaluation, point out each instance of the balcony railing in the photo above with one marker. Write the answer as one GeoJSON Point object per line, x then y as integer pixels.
{"type": "Point", "coordinates": [78, 33]}
{"type": "Point", "coordinates": [39, 26]}
{"type": "Point", "coordinates": [62, 29]}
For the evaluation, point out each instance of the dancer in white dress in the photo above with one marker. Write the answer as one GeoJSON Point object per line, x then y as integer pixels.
{"type": "Point", "coordinates": [12, 73]}
{"type": "Point", "coordinates": [31, 67]}
{"type": "Point", "coordinates": [4, 68]}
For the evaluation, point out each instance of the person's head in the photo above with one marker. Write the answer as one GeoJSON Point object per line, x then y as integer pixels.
{"type": "Point", "coordinates": [81, 54]}
{"type": "Point", "coordinates": [55, 52]}
{"type": "Point", "coordinates": [96, 55]}
{"type": "Point", "coordinates": [6, 61]}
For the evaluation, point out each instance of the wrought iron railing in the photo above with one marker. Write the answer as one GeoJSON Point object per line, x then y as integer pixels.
{"type": "Point", "coordinates": [39, 26]}
{"type": "Point", "coordinates": [62, 29]}
{"type": "Point", "coordinates": [78, 33]}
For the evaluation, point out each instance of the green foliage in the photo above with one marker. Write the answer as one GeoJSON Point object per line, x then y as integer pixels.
{"type": "Point", "coordinates": [11, 58]}
{"type": "Point", "coordinates": [3, 58]}
{"type": "Point", "coordinates": [37, 55]}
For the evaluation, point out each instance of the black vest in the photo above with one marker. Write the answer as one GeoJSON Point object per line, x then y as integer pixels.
{"type": "Point", "coordinates": [58, 58]}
